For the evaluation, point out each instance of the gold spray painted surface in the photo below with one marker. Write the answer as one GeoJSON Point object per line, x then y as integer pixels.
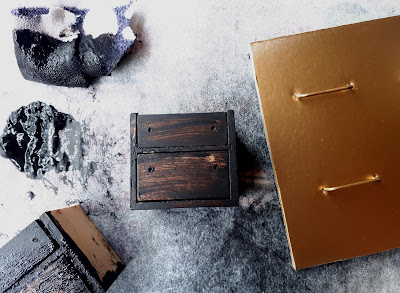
{"type": "Point", "coordinates": [334, 138]}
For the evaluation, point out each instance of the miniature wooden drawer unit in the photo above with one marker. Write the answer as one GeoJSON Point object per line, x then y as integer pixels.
{"type": "Point", "coordinates": [183, 160]}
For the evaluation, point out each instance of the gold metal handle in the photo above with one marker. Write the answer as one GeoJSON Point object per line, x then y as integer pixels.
{"type": "Point", "coordinates": [375, 178]}
{"type": "Point", "coordinates": [337, 89]}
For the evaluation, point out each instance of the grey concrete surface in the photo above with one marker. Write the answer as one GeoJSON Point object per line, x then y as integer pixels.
{"type": "Point", "coordinates": [193, 56]}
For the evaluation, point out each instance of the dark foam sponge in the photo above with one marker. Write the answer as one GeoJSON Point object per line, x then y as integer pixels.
{"type": "Point", "coordinates": [50, 49]}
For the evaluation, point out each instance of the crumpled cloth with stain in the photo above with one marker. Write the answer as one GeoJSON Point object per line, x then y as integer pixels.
{"type": "Point", "coordinates": [64, 45]}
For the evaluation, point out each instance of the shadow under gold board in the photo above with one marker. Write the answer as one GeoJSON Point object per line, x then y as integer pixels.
{"type": "Point", "coordinates": [331, 106]}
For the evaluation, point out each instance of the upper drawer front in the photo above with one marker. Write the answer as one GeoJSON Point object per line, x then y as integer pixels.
{"type": "Point", "coordinates": [175, 130]}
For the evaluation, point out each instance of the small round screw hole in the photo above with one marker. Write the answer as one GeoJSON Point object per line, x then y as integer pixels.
{"type": "Point", "coordinates": [149, 129]}
{"type": "Point", "coordinates": [215, 167]}
{"type": "Point", "coordinates": [213, 128]}
{"type": "Point", "coordinates": [34, 240]}
{"type": "Point", "coordinates": [150, 169]}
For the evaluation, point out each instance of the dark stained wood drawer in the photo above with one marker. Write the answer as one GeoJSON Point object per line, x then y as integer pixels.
{"type": "Point", "coordinates": [182, 130]}
{"type": "Point", "coordinates": [183, 160]}
{"type": "Point", "coordinates": [203, 175]}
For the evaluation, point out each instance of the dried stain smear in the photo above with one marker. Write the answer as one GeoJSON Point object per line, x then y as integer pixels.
{"type": "Point", "coordinates": [38, 138]}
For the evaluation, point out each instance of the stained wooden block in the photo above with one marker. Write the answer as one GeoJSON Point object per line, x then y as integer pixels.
{"type": "Point", "coordinates": [183, 160]}
{"type": "Point", "coordinates": [60, 252]}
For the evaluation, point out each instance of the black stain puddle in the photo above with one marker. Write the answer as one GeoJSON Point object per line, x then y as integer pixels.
{"type": "Point", "coordinates": [38, 138]}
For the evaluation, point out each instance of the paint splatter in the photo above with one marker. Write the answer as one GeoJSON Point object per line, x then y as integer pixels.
{"type": "Point", "coordinates": [31, 195]}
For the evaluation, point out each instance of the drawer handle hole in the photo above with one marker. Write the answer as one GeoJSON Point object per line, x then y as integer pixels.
{"type": "Point", "coordinates": [215, 167]}
{"type": "Point", "coordinates": [213, 128]}
{"type": "Point", "coordinates": [150, 169]}
{"type": "Point", "coordinates": [149, 129]}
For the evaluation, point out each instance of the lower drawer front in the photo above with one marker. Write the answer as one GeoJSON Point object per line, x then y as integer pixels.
{"type": "Point", "coordinates": [183, 176]}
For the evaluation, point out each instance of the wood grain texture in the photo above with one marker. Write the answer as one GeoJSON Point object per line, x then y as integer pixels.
{"type": "Point", "coordinates": [22, 253]}
{"type": "Point", "coordinates": [59, 276]}
{"type": "Point", "coordinates": [88, 239]}
{"type": "Point", "coordinates": [182, 130]}
{"type": "Point", "coordinates": [184, 175]}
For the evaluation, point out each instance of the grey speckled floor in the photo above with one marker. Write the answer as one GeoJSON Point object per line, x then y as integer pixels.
{"type": "Point", "coordinates": [193, 57]}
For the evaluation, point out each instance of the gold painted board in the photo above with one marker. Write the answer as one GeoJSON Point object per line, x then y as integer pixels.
{"type": "Point", "coordinates": [335, 138]}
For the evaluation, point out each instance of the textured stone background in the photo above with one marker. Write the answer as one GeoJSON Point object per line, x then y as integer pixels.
{"type": "Point", "coordinates": [193, 56]}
